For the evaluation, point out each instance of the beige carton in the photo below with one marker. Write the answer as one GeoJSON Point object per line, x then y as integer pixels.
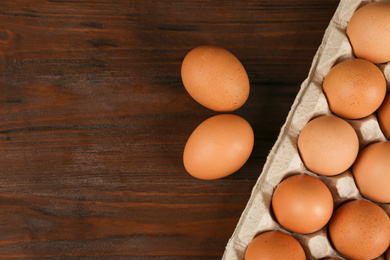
{"type": "Point", "coordinates": [284, 160]}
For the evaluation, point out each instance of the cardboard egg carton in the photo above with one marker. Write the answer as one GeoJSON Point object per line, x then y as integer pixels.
{"type": "Point", "coordinates": [284, 160]}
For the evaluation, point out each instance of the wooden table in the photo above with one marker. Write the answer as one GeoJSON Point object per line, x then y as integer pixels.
{"type": "Point", "coordinates": [94, 119]}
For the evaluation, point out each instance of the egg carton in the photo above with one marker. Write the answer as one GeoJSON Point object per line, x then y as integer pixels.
{"type": "Point", "coordinates": [284, 160]}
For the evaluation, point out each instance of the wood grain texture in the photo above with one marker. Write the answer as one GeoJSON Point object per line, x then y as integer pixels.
{"type": "Point", "coordinates": [94, 119]}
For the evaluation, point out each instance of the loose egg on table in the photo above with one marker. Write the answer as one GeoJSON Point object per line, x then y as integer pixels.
{"type": "Point", "coordinates": [218, 147]}
{"type": "Point", "coordinates": [215, 78]}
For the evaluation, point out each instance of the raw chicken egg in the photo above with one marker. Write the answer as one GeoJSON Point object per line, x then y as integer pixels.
{"type": "Point", "coordinates": [302, 204]}
{"type": "Point", "coordinates": [354, 88]}
{"type": "Point", "coordinates": [372, 172]}
{"type": "Point", "coordinates": [274, 245]}
{"type": "Point", "coordinates": [368, 32]}
{"type": "Point", "coordinates": [360, 229]}
{"type": "Point", "coordinates": [215, 78]}
{"type": "Point", "coordinates": [218, 147]}
{"type": "Point", "coordinates": [383, 116]}
{"type": "Point", "coordinates": [328, 145]}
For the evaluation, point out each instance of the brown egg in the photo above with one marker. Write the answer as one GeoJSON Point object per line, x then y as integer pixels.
{"type": "Point", "coordinates": [302, 204]}
{"type": "Point", "coordinates": [383, 115]}
{"type": "Point", "coordinates": [368, 32]}
{"type": "Point", "coordinates": [215, 78]}
{"type": "Point", "coordinates": [360, 229]}
{"type": "Point", "coordinates": [372, 172]}
{"type": "Point", "coordinates": [328, 145]}
{"type": "Point", "coordinates": [274, 245]}
{"type": "Point", "coordinates": [354, 88]}
{"type": "Point", "coordinates": [218, 147]}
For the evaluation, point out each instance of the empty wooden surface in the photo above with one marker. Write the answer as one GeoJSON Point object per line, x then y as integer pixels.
{"type": "Point", "coordinates": [94, 119]}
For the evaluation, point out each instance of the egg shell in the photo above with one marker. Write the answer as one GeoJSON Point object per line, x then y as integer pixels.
{"type": "Point", "coordinates": [328, 145]}
{"type": "Point", "coordinates": [371, 172]}
{"type": "Point", "coordinates": [383, 115]}
{"type": "Point", "coordinates": [354, 88]}
{"type": "Point", "coordinates": [218, 147]}
{"type": "Point", "coordinates": [215, 78]}
{"type": "Point", "coordinates": [369, 33]}
{"type": "Point", "coordinates": [274, 245]}
{"type": "Point", "coordinates": [360, 229]}
{"type": "Point", "coordinates": [302, 204]}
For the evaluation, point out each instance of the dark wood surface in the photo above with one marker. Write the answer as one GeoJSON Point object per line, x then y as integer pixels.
{"type": "Point", "coordinates": [94, 119]}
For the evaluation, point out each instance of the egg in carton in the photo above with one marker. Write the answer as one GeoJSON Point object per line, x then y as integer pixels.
{"type": "Point", "coordinates": [284, 159]}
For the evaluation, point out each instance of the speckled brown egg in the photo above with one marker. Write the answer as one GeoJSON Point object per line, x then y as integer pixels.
{"type": "Point", "coordinates": [274, 245]}
{"type": "Point", "coordinates": [218, 147]}
{"type": "Point", "coordinates": [371, 171]}
{"type": "Point", "coordinates": [215, 78]}
{"type": "Point", "coordinates": [354, 88]}
{"type": "Point", "coordinates": [383, 115]}
{"type": "Point", "coordinates": [302, 204]}
{"type": "Point", "coordinates": [328, 145]}
{"type": "Point", "coordinates": [360, 229]}
{"type": "Point", "coordinates": [369, 32]}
